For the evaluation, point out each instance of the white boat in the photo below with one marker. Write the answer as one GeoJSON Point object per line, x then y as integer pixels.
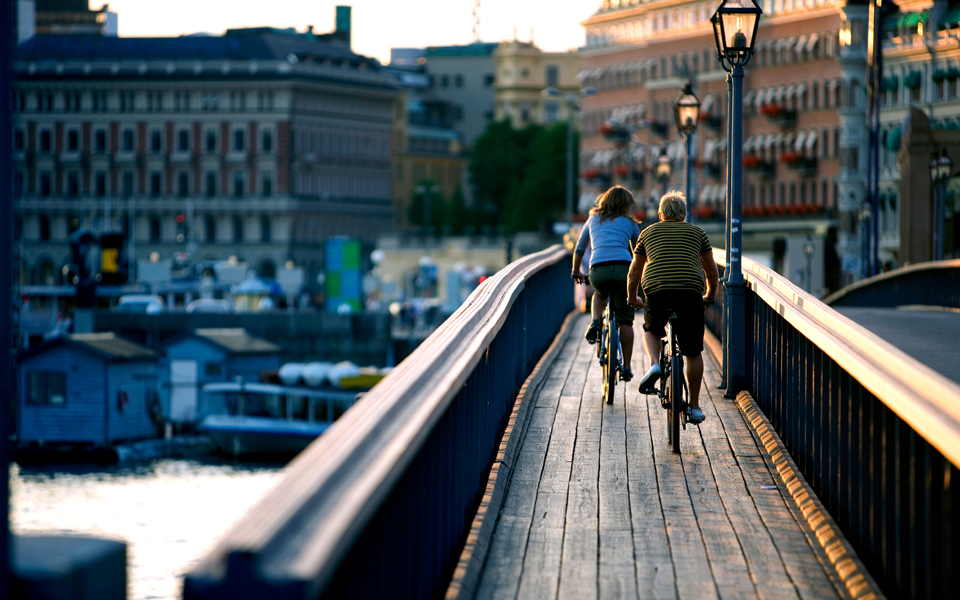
{"type": "Point", "coordinates": [269, 419]}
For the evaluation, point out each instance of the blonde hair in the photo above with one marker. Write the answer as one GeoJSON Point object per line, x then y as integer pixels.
{"type": "Point", "coordinates": [615, 202]}
{"type": "Point", "coordinates": [673, 206]}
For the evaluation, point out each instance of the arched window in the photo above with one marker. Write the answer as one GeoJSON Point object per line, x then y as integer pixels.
{"type": "Point", "coordinates": [267, 270]}
{"type": "Point", "coordinates": [44, 228]}
{"type": "Point", "coordinates": [266, 232]}
{"type": "Point", "coordinates": [237, 229]}
{"type": "Point", "coordinates": [154, 229]}
{"type": "Point", "coordinates": [210, 228]}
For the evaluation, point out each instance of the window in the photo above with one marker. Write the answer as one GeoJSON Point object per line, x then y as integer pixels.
{"type": "Point", "coordinates": [211, 141]}
{"type": "Point", "coordinates": [212, 369]}
{"type": "Point", "coordinates": [18, 140]}
{"type": "Point", "coordinates": [267, 141]}
{"type": "Point", "coordinates": [525, 73]}
{"type": "Point", "coordinates": [127, 184]}
{"type": "Point", "coordinates": [17, 184]}
{"type": "Point", "coordinates": [211, 184]}
{"type": "Point", "coordinates": [155, 184]}
{"type": "Point", "coordinates": [237, 229]}
{"type": "Point", "coordinates": [100, 184]}
{"type": "Point", "coordinates": [73, 140]}
{"type": "Point", "coordinates": [238, 181]}
{"type": "Point", "coordinates": [210, 228]}
{"type": "Point", "coordinates": [127, 142]}
{"type": "Point", "coordinates": [458, 81]}
{"type": "Point", "coordinates": [550, 112]}
{"type": "Point", "coordinates": [156, 141]}
{"type": "Point", "coordinates": [444, 81]}
{"type": "Point", "coordinates": [44, 228]}
{"type": "Point", "coordinates": [267, 184]}
{"type": "Point", "coordinates": [266, 234]}
{"type": "Point", "coordinates": [239, 141]}
{"type": "Point", "coordinates": [47, 388]}
{"type": "Point", "coordinates": [488, 80]}
{"type": "Point", "coordinates": [183, 184]}
{"type": "Point", "coordinates": [46, 141]}
{"type": "Point", "coordinates": [100, 141]}
{"type": "Point", "coordinates": [73, 184]}
{"type": "Point", "coordinates": [154, 229]}
{"type": "Point", "coordinates": [525, 112]}
{"type": "Point", "coordinates": [553, 75]}
{"type": "Point", "coordinates": [183, 140]}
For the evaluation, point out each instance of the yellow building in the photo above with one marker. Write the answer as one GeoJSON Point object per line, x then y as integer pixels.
{"type": "Point", "coordinates": [523, 72]}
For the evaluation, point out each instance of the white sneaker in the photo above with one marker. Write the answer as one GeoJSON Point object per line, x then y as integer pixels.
{"type": "Point", "coordinates": [695, 415]}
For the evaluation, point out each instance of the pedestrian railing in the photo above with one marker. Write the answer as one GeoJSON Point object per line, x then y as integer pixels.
{"type": "Point", "coordinates": [924, 284]}
{"type": "Point", "coordinates": [380, 505]}
{"type": "Point", "coordinates": [874, 432]}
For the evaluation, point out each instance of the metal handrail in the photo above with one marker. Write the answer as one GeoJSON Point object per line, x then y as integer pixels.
{"type": "Point", "coordinates": [875, 286]}
{"type": "Point", "coordinates": [299, 534]}
{"type": "Point", "coordinates": [922, 397]}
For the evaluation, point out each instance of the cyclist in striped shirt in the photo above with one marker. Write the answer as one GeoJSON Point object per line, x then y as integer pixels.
{"type": "Point", "coordinates": [671, 261]}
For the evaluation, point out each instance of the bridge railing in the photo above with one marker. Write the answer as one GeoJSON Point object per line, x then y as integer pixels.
{"type": "Point", "coordinates": [924, 284]}
{"type": "Point", "coordinates": [875, 433]}
{"type": "Point", "coordinates": [380, 505]}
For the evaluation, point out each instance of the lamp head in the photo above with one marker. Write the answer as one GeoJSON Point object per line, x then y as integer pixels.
{"type": "Point", "coordinates": [664, 167]}
{"type": "Point", "coordinates": [944, 166]}
{"type": "Point", "coordinates": [686, 110]}
{"type": "Point", "coordinates": [735, 29]}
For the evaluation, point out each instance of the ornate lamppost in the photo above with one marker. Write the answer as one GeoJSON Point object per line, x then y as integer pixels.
{"type": "Point", "coordinates": [664, 170]}
{"type": "Point", "coordinates": [686, 110]}
{"type": "Point", "coordinates": [573, 109]}
{"type": "Point", "coordinates": [809, 248]}
{"type": "Point", "coordinates": [941, 168]}
{"type": "Point", "coordinates": [735, 27]}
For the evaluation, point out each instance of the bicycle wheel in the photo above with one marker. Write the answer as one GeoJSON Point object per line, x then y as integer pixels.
{"type": "Point", "coordinates": [610, 374]}
{"type": "Point", "coordinates": [603, 345]}
{"type": "Point", "coordinates": [676, 401]}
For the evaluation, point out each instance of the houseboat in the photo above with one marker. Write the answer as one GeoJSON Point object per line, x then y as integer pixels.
{"type": "Point", "coordinates": [266, 419]}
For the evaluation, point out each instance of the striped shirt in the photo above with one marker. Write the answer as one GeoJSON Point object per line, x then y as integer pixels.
{"type": "Point", "coordinates": [673, 250]}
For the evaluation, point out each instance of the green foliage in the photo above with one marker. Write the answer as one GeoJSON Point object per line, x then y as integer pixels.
{"type": "Point", "coordinates": [518, 175]}
{"type": "Point", "coordinates": [419, 207]}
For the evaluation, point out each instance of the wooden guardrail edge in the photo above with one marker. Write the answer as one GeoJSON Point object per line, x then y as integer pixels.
{"type": "Point", "coordinates": [937, 424]}
{"type": "Point", "coordinates": [821, 530]}
{"type": "Point", "coordinates": [474, 554]}
{"type": "Point", "coordinates": [859, 350]}
{"type": "Point", "coordinates": [894, 274]}
{"type": "Point", "coordinates": [290, 493]}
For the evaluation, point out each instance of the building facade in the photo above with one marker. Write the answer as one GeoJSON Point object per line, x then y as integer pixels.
{"type": "Point", "coordinates": [464, 75]}
{"type": "Point", "coordinates": [638, 57]}
{"type": "Point", "coordinates": [257, 145]}
{"type": "Point", "coordinates": [523, 72]}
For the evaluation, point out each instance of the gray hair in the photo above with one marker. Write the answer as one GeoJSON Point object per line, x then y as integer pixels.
{"type": "Point", "coordinates": [673, 206]}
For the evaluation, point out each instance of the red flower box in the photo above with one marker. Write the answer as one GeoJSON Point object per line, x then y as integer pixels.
{"type": "Point", "coordinates": [591, 173]}
{"type": "Point", "coordinates": [770, 110]}
{"type": "Point", "coordinates": [750, 161]}
{"type": "Point", "coordinates": [621, 170]}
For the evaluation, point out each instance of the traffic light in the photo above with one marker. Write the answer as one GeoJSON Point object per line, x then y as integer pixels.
{"type": "Point", "coordinates": [181, 228]}
{"type": "Point", "coordinates": [113, 263]}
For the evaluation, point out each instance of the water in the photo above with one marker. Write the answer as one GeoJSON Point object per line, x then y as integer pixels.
{"type": "Point", "coordinates": [169, 512]}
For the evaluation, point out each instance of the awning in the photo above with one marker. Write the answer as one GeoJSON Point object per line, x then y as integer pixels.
{"type": "Point", "coordinates": [791, 92]}
{"type": "Point", "coordinates": [748, 144]}
{"type": "Point", "coordinates": [893, 140]}
{"type": "Point", "coordinates": [583, 74]}
{"type": "Point", "coordinates": [801, 90]}
{"type": "Point", "coordinates": [771, 141]}
{"type": "Point", "coordinates": [709, 149]}
{"type": "Point", "coordinates": [654, 151]}
{"type": "Point", "coordinates": [811, 140]}
{"type": "Point", "coordinates": [761, 98]}
{"type": "Point", "coordinates": [748, 98]}
{"type": "Point", "coordinates": [639, 152]}
{"type": "Point", "coordinates": [782, 94]}
{"type": "Point", "coordinates": [707, 105]}
{"type": "Point", "coordinates": [801, 139]}
{"type": "Point", "coordinates": [814, 38]}
{"type": "Point", "coordinates": [788, 139]}
{"type": "Point", "coordinates": [835, 84]}
{"type": "Point", "coordinates": [801, 45]}
{"type": "Point", "coordinates": [705, 194]}
{"type": "Point", "coordinates": [642, 111]}
{"type": "Point", "coordinates": [722, 144]}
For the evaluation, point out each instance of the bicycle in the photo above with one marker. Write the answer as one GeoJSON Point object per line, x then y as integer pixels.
{"type": "Point", "coordinates": [673, 390]}
{"type": "Point", "coordinates": [610, 353]}
{"type": "Point", "coordinates": [609, 350]}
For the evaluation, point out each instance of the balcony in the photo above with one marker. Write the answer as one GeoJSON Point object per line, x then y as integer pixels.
{"type": "Point", "coordinates": [757, 166]}
{"type": "Point", "coordinates": [779, 116]}
{"type": "Point", "coordinates": [797, 162]}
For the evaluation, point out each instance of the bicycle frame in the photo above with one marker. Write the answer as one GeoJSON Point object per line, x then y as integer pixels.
{"type": "Point", "coordinates": [610, 354]}
{"type": "Point", "coordinates": [673, 386]}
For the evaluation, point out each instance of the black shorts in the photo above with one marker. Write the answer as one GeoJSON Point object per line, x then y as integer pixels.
{"type": "Point", "coordinates": [689, 308]}
{"type": "Point", "coordinates": [609, 280]}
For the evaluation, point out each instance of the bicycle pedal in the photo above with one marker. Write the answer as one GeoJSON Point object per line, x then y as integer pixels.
{"type": "Point", "coordinates": [665, 405]}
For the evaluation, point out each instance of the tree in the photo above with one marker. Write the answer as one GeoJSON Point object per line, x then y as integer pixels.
{"type": "Point", "coordinates": [520, 175]}
{"type": "Point", "coordinates": [415, 212]}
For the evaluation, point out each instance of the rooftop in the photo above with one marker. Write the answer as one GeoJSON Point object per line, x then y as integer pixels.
{"type": "Point", "coordinates": [237, 340]}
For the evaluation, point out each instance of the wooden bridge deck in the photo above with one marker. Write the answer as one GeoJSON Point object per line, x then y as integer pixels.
{"type": "Point", "coordinates": [598, 506]}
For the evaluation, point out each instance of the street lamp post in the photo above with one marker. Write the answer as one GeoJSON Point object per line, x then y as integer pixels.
{"type": "Point", "coordinates": [426, 191]}
{"type": "Point", "coordinates": [941, 168]}
{"type": "Point", "coordinates": [573, 109]}
{"type": "Point", "coordinates": [865, 215]}
{"type": "Point", "coordinates": [664, 170]}
{"type": "Point", "coordinates": [686, 110]}
{"type": "Point", "coordinates": [735, 31]}
{"type": "Point", "coordinates": [808, 250]}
